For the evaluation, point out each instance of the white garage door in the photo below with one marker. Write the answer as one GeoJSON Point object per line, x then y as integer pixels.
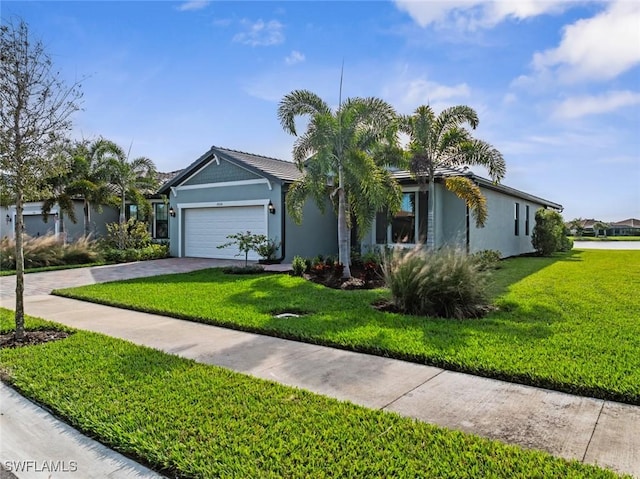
{"type": "Point", "coordinates": [206, 228]}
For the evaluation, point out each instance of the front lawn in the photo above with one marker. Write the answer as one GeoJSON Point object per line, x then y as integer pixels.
{"type": "Point", "coordinates": [605, 238]}
{"type": "Point", "coordinates": [191, 420]}
{"type": "Point", "coordinates": [570, 323]}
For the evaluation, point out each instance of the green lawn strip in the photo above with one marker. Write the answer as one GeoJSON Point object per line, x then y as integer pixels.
{"type": "Point", "coordinates": [52, 268]}
{"type": "Point", "coordinates": [192, 420]}
{"type": "Point", "coordinates": [569, 323]}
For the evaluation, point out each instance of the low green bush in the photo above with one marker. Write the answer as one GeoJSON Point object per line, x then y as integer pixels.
{"type": "Point", "coordinates": [444, 283]}
{"type": "Point", "coordinates": [152, 251]}
{"type": "Point", "coordinates": [487, 259]}
{"type": "Point", "coordinates": [249, 269]}
{"type": "Point", "coordinates": [299, 265]}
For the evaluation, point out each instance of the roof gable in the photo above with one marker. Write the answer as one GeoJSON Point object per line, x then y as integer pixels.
{"type": "Point", "coordinates": [220, 171]}
{"type": "Point", "coordinates": [256, 165]}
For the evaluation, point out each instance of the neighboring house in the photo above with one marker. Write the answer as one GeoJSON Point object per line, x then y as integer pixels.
{"type": "Point", "coordinates": [226, 192]}
{"type": "Point", "coordinates": [510, 222]}
{"type": "Point", "coordinates": [34, 224]}
{"type": "Point", "coordinates": [628, 227]}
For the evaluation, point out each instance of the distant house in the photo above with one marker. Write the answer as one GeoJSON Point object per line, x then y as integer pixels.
{"type": "Point", "coordinates": [628, 227]}
{"type": "Point", "coordinates": [227, 191]}
{"type": "Point", "coordinates": [35, 225]}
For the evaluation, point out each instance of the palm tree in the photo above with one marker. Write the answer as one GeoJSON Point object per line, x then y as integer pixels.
{"type": "Point", "coordinates": [354, 143]}
{"type": "Point", "coordinates": [131, 179]}
{"type": "Point", "coordinates": [87, 179]}
{"type": "Point", "coordinates": [58, 189]}
{"type": "Point", "coordinates": [437, 141]}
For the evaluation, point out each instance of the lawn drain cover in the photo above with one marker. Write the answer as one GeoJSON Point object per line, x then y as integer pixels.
{"type": "Point", "coordinates": [286, 315]}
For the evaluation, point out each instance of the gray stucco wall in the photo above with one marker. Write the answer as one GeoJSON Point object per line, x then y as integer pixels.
{"type": "Point", "coordinates": [317, 234]}
{"type": "Point", "coordinates": [499, 230]}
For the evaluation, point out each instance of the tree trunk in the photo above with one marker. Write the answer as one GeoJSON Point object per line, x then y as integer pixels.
{"type": "Point", "coordinates": [19, 235]}
{"type": "Point", "coordinates": [343, 235]}
{"type": "Point", "coordinates": [431, 227]}
{"type": "Point", "coordinates": [123, 220]}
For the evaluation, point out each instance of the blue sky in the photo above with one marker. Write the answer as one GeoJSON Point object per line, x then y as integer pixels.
{"type": "Point", "coordinates": [556, 83]}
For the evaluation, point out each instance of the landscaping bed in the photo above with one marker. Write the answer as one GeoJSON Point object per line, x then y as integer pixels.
{"type": "Point", "coordinates": [568, 323]}
{"type": "Point", "coordinates": [186, 419]}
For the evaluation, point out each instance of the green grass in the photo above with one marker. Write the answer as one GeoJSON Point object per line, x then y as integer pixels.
{"type": "Point", "coordinates": [196, 421]}
{"type": "Point", "coordinates": [608, 238]}
{"type": "Point", "coordinates": [11, 272]}
{"type": "Point", "coordinates": [570, 323]}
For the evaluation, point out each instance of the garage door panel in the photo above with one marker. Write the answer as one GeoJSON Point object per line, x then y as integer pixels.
{"type": "Point", "coordinates": [206, 228]}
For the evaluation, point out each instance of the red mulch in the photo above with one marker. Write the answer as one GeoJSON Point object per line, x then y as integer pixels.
{"type": "Point", "coordinates": [31, 338]}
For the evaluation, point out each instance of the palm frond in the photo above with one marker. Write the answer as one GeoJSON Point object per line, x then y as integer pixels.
{"type": "Point", "coordinates": [478, 152]}
{"type": "Point", "coordinates": [470, 193]}
{"type": "Point", "coordinates": [299, 103]}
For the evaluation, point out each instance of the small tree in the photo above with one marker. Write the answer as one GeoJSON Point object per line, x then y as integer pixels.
{"type": "Point", "coordinates": [600, 226]}
{"type": "Point", "coordinates": [577, 226]}
{"type": "Point", "coordinates": [549, 233]}
{"type": "Point", "coordinates": [246, 242]}
{"type": "Point", "coordinates": [35, 115]}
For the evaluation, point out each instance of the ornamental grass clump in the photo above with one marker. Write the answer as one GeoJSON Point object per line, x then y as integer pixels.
{"type": "Point", "coordinates": [444, 283]}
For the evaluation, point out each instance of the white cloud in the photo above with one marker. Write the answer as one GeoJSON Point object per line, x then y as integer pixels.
{"type": "Point", "coordinates": [597, 48]}
{"type": "Point", "coordinates": [193, 5]}
{"type": "Point", "coordinates": [407, 94]}
{"type": "Point", "coordinates": [260, 33]}
{"type": "Point", "coordinates": [294, 57]}
{"type": "Point", "coordinates": [579, 106]}
{"type": "Point", "coordinates": [473, 14]}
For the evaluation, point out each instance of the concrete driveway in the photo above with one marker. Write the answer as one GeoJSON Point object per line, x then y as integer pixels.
{"type": "Point", "coordinates": [45, 282]}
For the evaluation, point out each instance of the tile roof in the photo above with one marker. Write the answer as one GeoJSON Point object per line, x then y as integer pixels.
{"type": "Point", "coordinates": [272, 168]}
{"type": "Point", "coordinates": [444, 172]}
{"type": "Point", "coordinates": [283, 170]}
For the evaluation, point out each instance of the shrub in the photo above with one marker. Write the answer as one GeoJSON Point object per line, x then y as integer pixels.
{"type": "Point", "coordinates": [299, 265]}
{"type": "Point", "coordinates": [487, 259]}
{"type": "Point", "coordinates": [249, 269]}
{"type": "Point", "coordinates": [267, 249]}
{"type": "Point", "coordinates": [133, 234]}
{"type": "Point", "coordinates": [152, 251]}
{"type": "Point", "coordinates": [444, 283]}
{"type": "Point", "coordinates": [549, 233]}
{"type": "Point", "coordinates": [81, 251]}
{"type": "Point", "coordinates": [48, 251]}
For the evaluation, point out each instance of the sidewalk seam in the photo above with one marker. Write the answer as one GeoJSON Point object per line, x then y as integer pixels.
{"type": "Point", "coordinates": [595, 426]}
{"type": "Point", "coordinates": [412, 389]}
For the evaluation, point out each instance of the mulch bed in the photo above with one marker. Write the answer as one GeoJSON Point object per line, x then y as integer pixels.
{"type": "Point", "coordinates": [31, 338]}
{"type": "Point", "coordinates": [360, 279]}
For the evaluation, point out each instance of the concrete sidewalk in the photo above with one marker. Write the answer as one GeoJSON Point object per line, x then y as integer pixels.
{"type": "Point", "coordinates": [590, 430]}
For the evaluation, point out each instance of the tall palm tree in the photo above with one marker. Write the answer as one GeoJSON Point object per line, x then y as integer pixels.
{"type": "Point", "coordinates": [354, 143]}
{"type": "Point", "coordinates": [437, 141]}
